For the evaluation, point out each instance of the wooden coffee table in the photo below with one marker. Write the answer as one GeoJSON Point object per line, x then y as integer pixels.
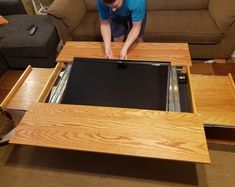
{"type": "Point", "coordinates": [132, 132]}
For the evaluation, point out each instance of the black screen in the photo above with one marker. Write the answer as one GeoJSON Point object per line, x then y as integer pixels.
{"type": "Point", "coordinates": [128, 84]}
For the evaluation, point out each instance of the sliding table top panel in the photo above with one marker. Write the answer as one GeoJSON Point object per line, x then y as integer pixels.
{"type": "Point", "coordinates": [132, 132]}
{"type": "Point", "coordinates": [176, 53]}
{"type": "Point", "coordinates": [215, 99]}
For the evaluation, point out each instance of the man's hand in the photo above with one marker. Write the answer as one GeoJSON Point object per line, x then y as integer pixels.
{"type": "Point", "coordinates": [106, 34]}
{"type": "Point", "coordinates": [123, 54]}
{"type": "Point", "coordinates": [108, 54]}
{"type": "Point", "coordinates": [131, 38]}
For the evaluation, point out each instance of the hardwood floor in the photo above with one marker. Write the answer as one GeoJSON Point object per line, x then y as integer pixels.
{"type": "Point", "coordinates": [7, 81]}
{"type": "Point", "coordinates": [202, 68]}
{"type": "Point", "coordinates": [213, 69]}
{"type": "Point", "coordinates": [224, 69]}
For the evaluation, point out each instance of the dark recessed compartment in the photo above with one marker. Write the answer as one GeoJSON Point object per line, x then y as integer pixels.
{"type": "Point", "coordinates": [185, 95]}
{"type": "Point", "coordinates": [126, 84]}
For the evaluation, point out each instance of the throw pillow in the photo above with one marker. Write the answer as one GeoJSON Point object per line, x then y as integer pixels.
{"type": "Point", "coordinates": [3, 21]}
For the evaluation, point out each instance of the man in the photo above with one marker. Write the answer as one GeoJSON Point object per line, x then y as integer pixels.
{"type": "Point", "coordinates": [120, 19]}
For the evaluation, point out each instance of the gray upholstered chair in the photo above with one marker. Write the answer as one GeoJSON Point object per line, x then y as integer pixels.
{"type": "Point", "coordinates": [20, 49]}
{"type": "Point", "coordinates": [10, 7]}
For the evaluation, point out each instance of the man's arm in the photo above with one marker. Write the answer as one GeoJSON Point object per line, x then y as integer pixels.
{"type": "Point", "coordinates": [106, 35]}
{"type": "Point", "coordinates": [131, 38]}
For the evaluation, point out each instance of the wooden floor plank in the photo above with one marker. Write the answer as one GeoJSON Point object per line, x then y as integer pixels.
{"type": "Point", "coordinates": [224, 69]}
{"type": "Point", "coordinates": [202, 68]}
{"type": "Point", "coordinates": [3, 94]}
{"type": "Point", "coordinates": [8, 80]}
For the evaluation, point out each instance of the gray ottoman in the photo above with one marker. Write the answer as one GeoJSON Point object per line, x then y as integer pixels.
{"type": "Point", "coordinates": [9, 7]}
{"type": "Point", "coordinates": [21, 49]}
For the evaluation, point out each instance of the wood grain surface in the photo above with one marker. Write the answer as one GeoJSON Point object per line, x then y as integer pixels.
{"type": "Point", "coordinates": [192, 97]}
{"type": "Point", "coordinates": [49, 84]}
{"type": "Point", "coordinates": [215, 99]}
{"type": "Point", "coordinates": [30, 89]}
{"type": "Point", "coordinates": [176, 53]}
{"type": "Point", "coordinates": [231, 80]}
{"type": "Point", "coordinates": [142, 133]}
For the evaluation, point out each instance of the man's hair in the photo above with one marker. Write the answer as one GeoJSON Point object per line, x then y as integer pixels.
{"type": "Point", "coordinates": [108, 1]}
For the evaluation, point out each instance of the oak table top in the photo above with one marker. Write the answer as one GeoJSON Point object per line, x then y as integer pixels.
{"type": "Point", "coordinates": [132, 132]}
{"type": "Point", "coordinates": [176, 53]}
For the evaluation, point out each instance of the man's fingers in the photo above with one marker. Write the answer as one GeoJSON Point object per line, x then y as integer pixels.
{"type": "Point", "coordinates": [109, 55]}
{"type": "Point", "coordinates": [123, 56]}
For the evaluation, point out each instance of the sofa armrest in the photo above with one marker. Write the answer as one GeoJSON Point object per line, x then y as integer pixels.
{"type": "Point", "coordinates": [227, 45]}
{"type": "Point", "coordinates": [70, 11]}
{"type": "Point", "coordinates": [223, 13]}
{"type": "Point", "coordinates": [61, 29]}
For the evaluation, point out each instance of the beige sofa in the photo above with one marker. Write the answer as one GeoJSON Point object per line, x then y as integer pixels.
{"type": "Point", "coordinates": [207, 25]}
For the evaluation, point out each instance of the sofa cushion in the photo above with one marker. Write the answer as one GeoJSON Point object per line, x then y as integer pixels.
{"type": "Point", "coordinates": [16, 41]}
{"type": "Point", "coordinates": [71, 12]}
{"type": "Point", "coordinates": [177, 4]}
{"type": "Point", "coordinates": [182, 26]}
{"type": "Point", "coordinates": [89, 28]}
{"type": "Point", "coordinates": [223, 12]}
{"type": "Point", "coordinates": [3, 21]}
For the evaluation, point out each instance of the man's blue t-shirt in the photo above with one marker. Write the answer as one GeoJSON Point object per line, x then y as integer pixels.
{"type": "Point", "coordinates": [135, 8]}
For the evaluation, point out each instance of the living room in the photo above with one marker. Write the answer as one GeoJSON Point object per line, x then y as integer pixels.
{"type": "Point", "coordinates": [197, 37]}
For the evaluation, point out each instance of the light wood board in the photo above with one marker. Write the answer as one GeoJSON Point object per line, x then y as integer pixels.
{"type": "Point", "coordinates": [142, 133]}
{"type": "Point", "coordinates": [215, 99]}
{"type": "Point", "coordinates": [176, 53]}
{"type": "Point", "coordinates": [30, 89]}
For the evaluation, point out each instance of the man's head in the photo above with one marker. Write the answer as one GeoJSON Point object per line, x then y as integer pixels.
{"type": "Point", "coordinates": [113, 4]}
